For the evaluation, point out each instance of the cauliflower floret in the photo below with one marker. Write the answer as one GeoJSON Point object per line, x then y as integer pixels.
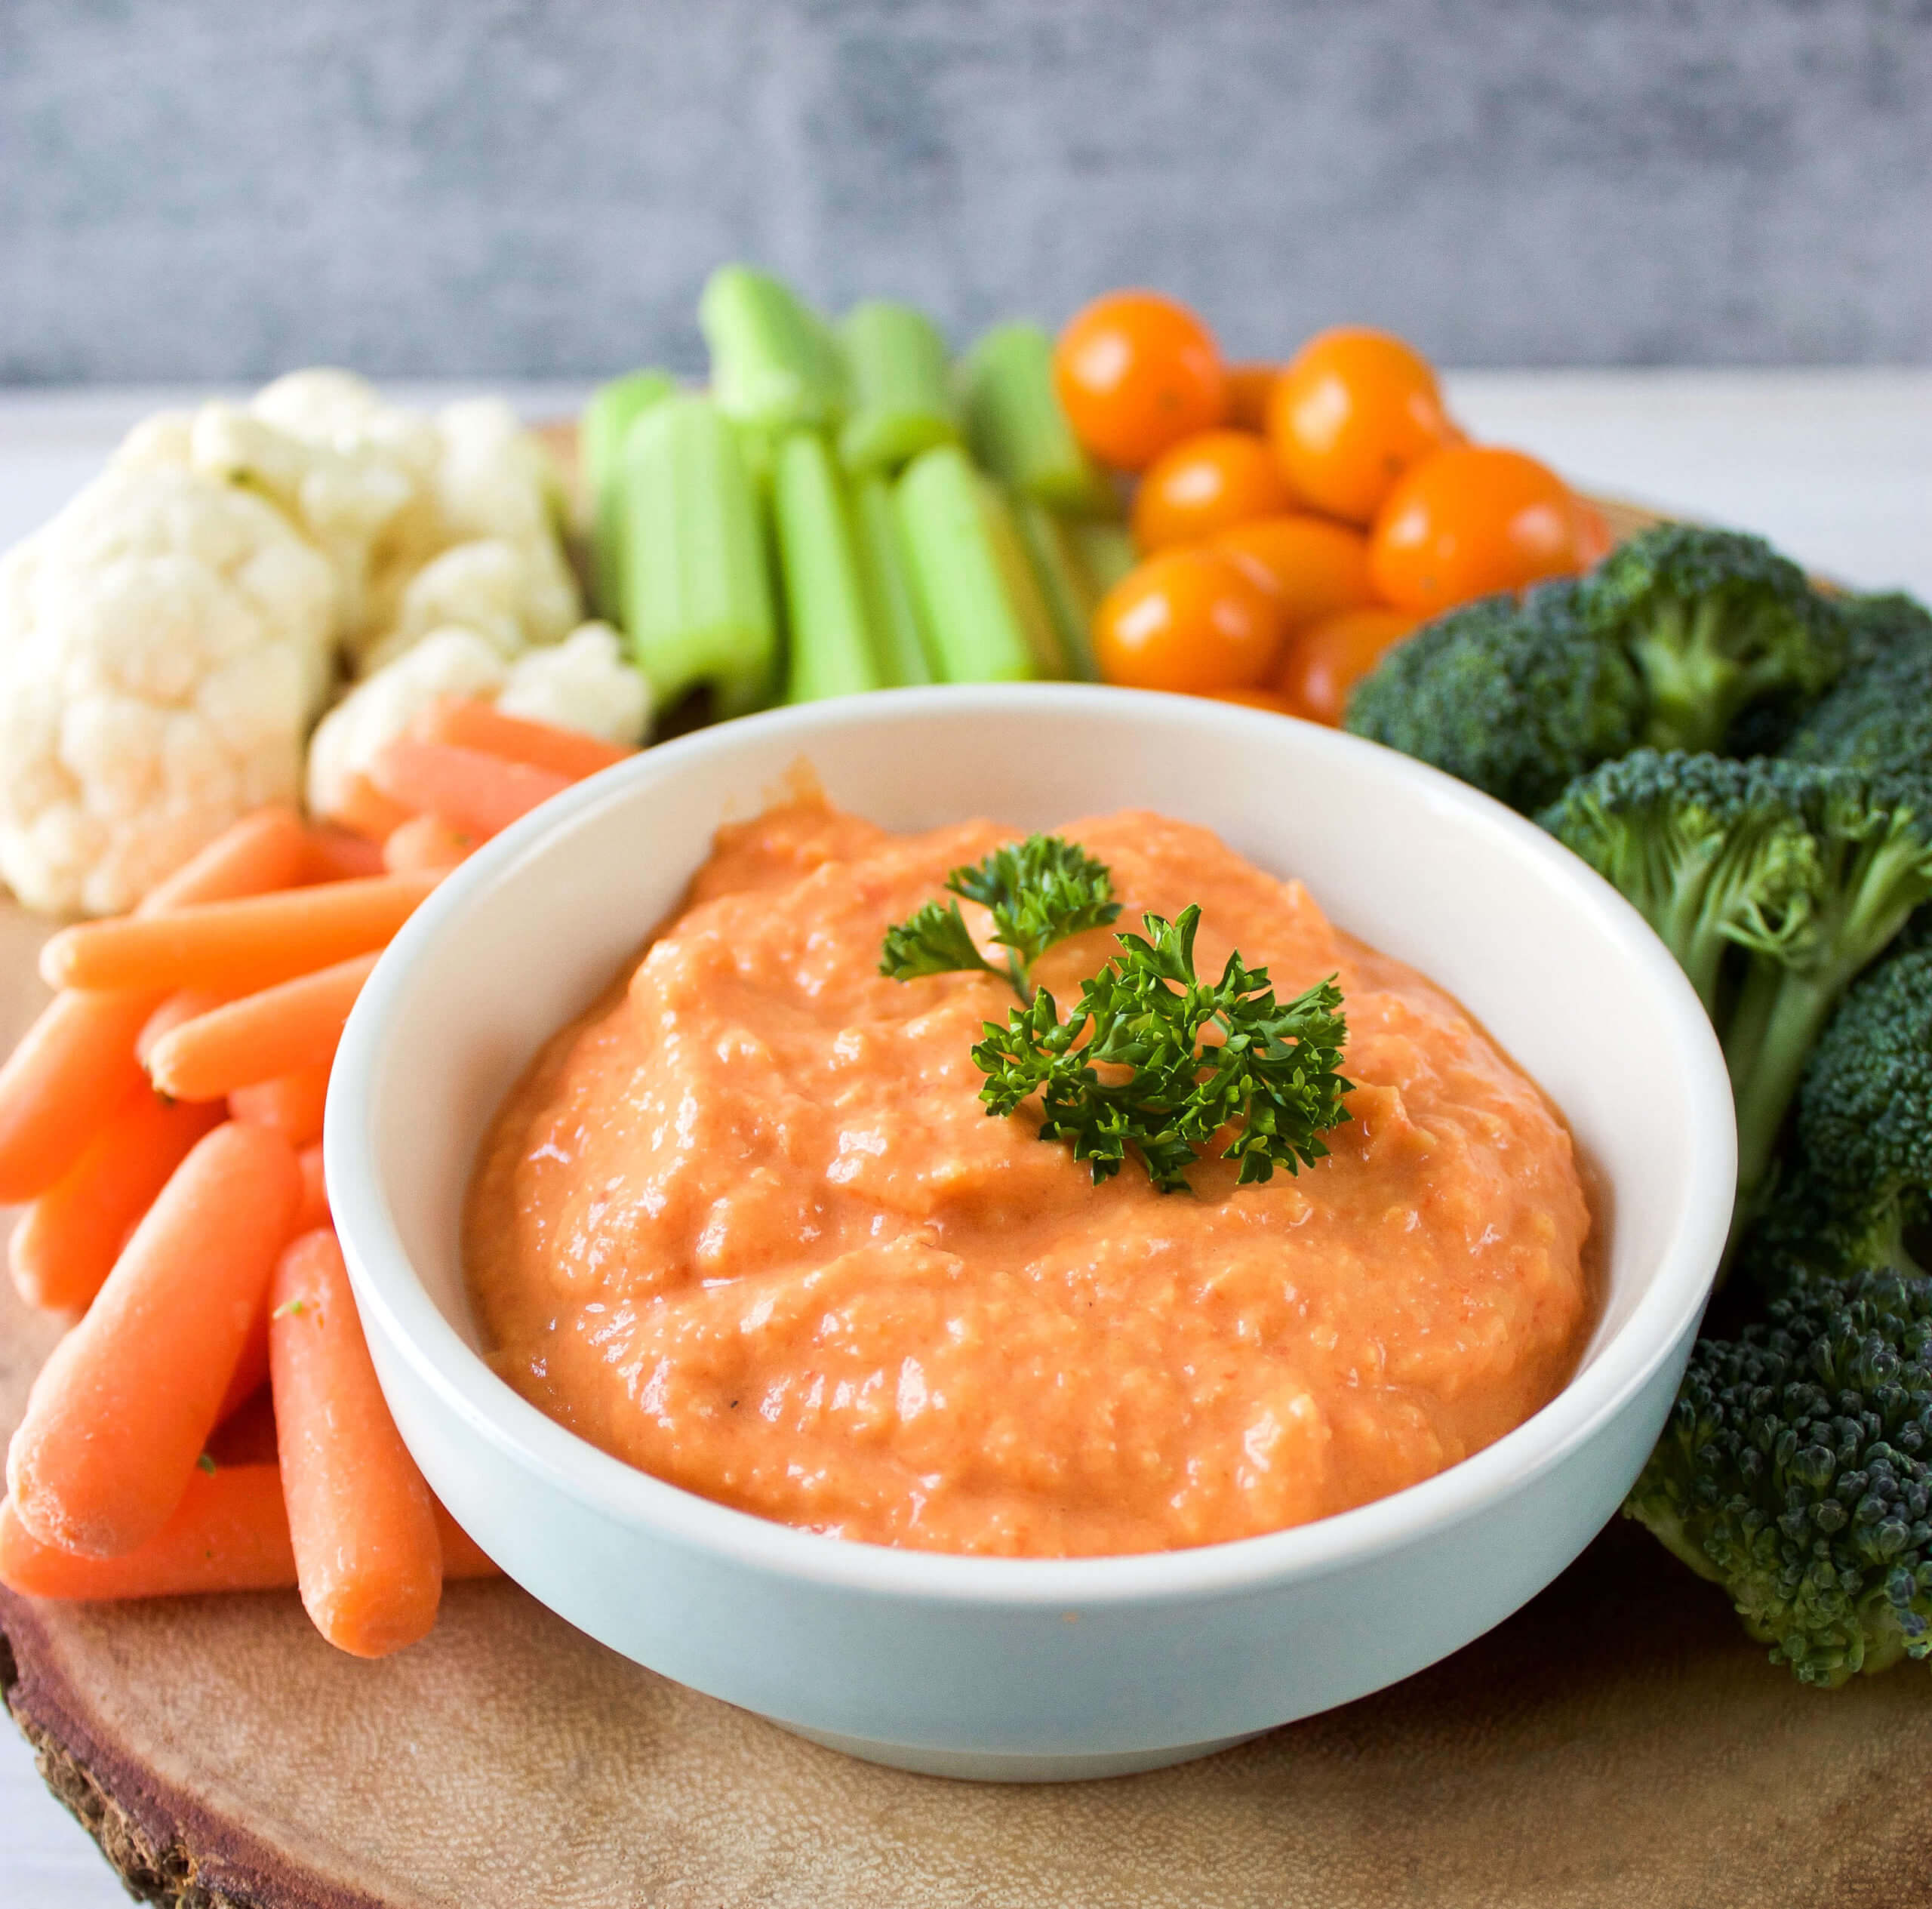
{"type": "Point", "coordinates": [497, 481]}
{"type": "Point", "coordinates": [481, 585]}
{"type": "Point", "coordinates": [346, 501]}
{"type": "Point", "coordinates": [165, 642]}
{"type": "Point", "coordinates": [581, 683]}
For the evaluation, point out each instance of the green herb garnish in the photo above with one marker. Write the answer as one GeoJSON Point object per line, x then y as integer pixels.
{"type": "Point", "coordinates": [1184, 1060]}
{"type": "Point", "coordinates": [1039, 891]}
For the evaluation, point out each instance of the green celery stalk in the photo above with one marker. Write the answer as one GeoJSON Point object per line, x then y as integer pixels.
{"type": "Point", "coordinates": [697, 584]}
{"type": "Point", "coordinates": [1017, 575]}
{"type": "Point", "coordinates": [1065, 582]}
{"type": "Point", "coordinates": [1106, 550]}
{"type": "Point", "coordinates": [833, 648]}
{"type": "Point", "coordinates": [775, 362]}
{"type": "Point", "coordinates": [612, 410]}
{"type": "Point", "coordinates": [902, 404]}
{"type": "Point", "coordinates": [1019, 432]}
{"type": "Point", "coordinates": [895, 608]}
{"type": "Point", "coordinates": [969, 576]}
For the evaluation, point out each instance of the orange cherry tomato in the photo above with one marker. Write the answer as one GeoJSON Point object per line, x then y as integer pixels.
{"type": "Point", "coordinates": [1349, 414]}
{"type": "Point", "coordinates": [1469, 521]}
{"type": "Point", "coordinates": [1248, 389]}
{"type": "Point", "coordinates": [1204, 484]}
{"type": "Point", "coordinates": [1326, 660]}
{"type": "Point", "coordinates": [1136, 372]}
{"type": "Point", "coordinates": [1316, 567]}
{"type": "Point", "coordinates": [1191, 620]}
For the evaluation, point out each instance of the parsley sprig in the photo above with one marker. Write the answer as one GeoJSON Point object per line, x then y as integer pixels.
{"type": "Point", "coordinates": [1183, 1059]}
{"type": "Point", "coordinates": [1039, 891]}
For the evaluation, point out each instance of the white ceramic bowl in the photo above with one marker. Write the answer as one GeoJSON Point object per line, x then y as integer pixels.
{"type": "Point", "coordinates": [1017, 1668]}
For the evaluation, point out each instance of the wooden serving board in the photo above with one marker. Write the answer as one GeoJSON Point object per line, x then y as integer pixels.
{"type": "Point", "coordinates": [1617, 1743]}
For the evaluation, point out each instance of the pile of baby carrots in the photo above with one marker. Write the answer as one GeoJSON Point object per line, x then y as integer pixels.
{"type": "Point", "coordinates": [212, 1421]}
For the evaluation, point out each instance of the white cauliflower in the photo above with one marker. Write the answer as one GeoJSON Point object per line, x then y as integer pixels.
{"type": "Point", "coordinates": [481, 585]}
{"type": "Point", "coordinates": [497, 481]}
{"type": "Point", "coordinates": [581, 683]}
{"type": "Point", "coordinates": [385, 492]}
{"type": "Point", "coordinates": [164, 643]}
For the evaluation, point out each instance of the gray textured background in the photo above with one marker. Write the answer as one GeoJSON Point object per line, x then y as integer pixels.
{"type": "Point", "coordinates": [219, 189]}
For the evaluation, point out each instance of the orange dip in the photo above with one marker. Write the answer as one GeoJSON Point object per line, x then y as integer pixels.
{"type": "Point", "coordinates": [747, 1225]}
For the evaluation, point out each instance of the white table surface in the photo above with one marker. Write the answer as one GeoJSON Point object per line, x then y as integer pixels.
{"type": "Point", "coordinates": [1835, 467]}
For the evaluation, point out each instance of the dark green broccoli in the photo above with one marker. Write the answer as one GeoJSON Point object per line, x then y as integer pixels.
{"type": "Point", "coordinates": [1809, 872]}
{"type": "Point", "coordinates": [1793, 1473]}
{"type": "Point", "coordinates": [1879, 717]}
{"type": "Point", "coordinates": [1710, 852]}
{"type": "Point", "coordinates": [1515, 697]}
{"type": "Point", "coordinates": [1715, 622]}
{"type": "Point", "coordinates": [1856, 1189]}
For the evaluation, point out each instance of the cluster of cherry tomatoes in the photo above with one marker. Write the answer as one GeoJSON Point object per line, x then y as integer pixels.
{"type": "Point", "coordinates": [1294, 520]}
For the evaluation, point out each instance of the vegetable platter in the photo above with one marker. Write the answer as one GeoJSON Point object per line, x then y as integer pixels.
{"type": "Point", "coordinates": [843, 510]}
{"type": "Point", "coordinates": [1616, 1742]}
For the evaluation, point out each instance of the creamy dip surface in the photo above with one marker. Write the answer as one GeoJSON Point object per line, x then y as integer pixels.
{"type": "Point", "coordinates": [747, 1225]}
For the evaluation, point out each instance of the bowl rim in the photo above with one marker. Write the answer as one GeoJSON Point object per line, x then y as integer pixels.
{"type": "Point", "coordinates": [388, 1287]}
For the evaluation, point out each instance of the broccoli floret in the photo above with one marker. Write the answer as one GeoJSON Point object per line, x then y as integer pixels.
{"type": "Point", "coordinates": [1809, 872]}
{"type": "Point", "coordinates": [1711, 853]}
{"type": "Point", "coordinates": [1857, 1190]}
{"type": "Point", "coordinates": [1515, 697]}
{"type": "Point", "coordinates": [1793, 1473]}
{"type": "Point", "coordinates": [1879, 717]}
{"type": "Point", "coordinates": [1715, 622]}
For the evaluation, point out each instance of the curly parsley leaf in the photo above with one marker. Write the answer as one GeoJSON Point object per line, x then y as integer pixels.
{"type": "Point", "coordinates": [1196, 1059]}
{"type": "Point", "coordinates": [935, 941]}
{"type": "Point", "coordinates": [1039, 891]}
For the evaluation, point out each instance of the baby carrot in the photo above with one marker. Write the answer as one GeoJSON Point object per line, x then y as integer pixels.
{"type": "Point", "coordinates": [368, 1555]}
{"type": "Point", "coordinates": [425, 845]}
{"type": "Point", "coordinates": [229, 1533]}
{"type": "Point", "coordinates": [122, 1410]}
{"type": "Point", "coordinates": [480, 795]}
{"type": "Point", "coordinates": [246, 1436]}
{"type": "Point", "coordinates": [365, 811]}
{"type": "Point", "coordinates": [67, 1241]}
{"type": "Point", "coordinates": [465, 725]}
{"type": "Point", "coordinates": [340, 855]}
{"type": "Point", "coordinates": [236, 947]}
{"type": "Point", "coordinates": [314, 1211]}
{"type": "Point", "coordinates": [184, 1004]}
{"type": "Point", "coordinates": [291, 1104]}
{"type": "Point", "coordinates": [278, 1031]}
{"type": "Point", "coordinates": [75, 1065]}
{"type": "Point", "coordinates": [73, 1070]}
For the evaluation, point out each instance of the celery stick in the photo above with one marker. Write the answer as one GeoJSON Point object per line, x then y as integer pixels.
{"type": "Point", "coordinates": [613, 409]}
{"type": "Point", "coordinates": [697, 585]}
{"type": "Point", "coordinates": [1022, 585]}
{"type": "Point", "coordinates": [902, 404]}
{"type": "Point", "coordinates": [1106, 550]}
{"type": "Point", "coordinates": [834, 651]}
{"type": "Point", "coordinates": [895, 608]}
{"type": "Point", "coordinates": [1069, 590]}
{"type": "Point", "coordinates": [1017, 429]}
{"type": "Point", "coordinates": [775, 363]}
{"type": "Point", "coordinates": [962, 568]}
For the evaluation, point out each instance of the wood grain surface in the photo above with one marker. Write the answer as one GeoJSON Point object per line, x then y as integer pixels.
{"type": "Point", "coordinates": [1617, 1745]}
